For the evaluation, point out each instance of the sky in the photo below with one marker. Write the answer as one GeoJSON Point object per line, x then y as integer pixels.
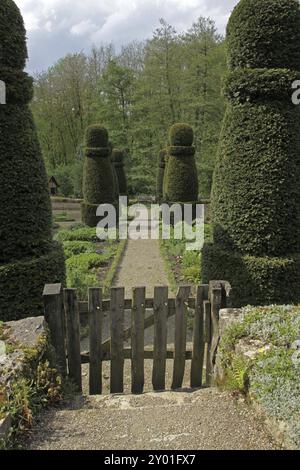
{"type": "Point", "coordinates": [58, 27]}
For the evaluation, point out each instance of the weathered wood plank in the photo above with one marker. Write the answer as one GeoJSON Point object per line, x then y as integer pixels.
{"type": "Point", "coordinates": [207, 316]}
{"type": "Point", "coordinates": [54, 316]}
{"type": "Point", "coordinates": [117, 340]}
{"type": "Point", "coordinates": [149, 321]}
{"type": "Point", "coordinates": [137, 339]}
{"type": "Point", "coordinates": [160, 337]}
{"type": "Point", "coordinates": [148, 354]}
{"type": "Point", "coordinates": [180, 336]}
{"type": "Point", "coordinates": [216, 303]}
{"type": "Point", "coordinates": [84, 308]}
{"type": "Point", "coordinates": [95, 337]}
{"type": "Point", "coordinates": [73, 336]}
{"type": "Point", "coordinates": [198, 338]}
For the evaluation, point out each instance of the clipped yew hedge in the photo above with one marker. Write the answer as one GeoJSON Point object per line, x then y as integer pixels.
{"type": "Point", "coordinates": [22, 283]}
{"type": "Point", "coordinates": [98, 178]}
{"type": "Point", "coordinates": [264, 34]}
{"type": "Point", "coordinates": [256, 191]}
{"type": "Point", "coordinates": [26, 249]}
{"type": "Point", "coordinates": [181, 177]}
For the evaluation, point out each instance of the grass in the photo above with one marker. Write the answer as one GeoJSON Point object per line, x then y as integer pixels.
{"type": "Point", "coordinates": [272, 377]}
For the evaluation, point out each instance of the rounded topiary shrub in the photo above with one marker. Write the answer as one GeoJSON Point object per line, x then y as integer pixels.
{"type": "Point", "coordinates": [264, 34]}
{"type": "Point", "coordinates": [181, 183]}
{"type": "Point", "coordinates": [256, 191]}
{"type": "Point", "coordinates": [118, 161]}
{"type": "Point", "coordinates": [161, 174]}
{"type": "Point", "coordinates": [98, 179]}
{"type": "Point", "coordinates": [25, 208]}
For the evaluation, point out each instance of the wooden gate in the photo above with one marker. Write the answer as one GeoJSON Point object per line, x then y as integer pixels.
{"type": "Point", "coordinates": [63, 312]}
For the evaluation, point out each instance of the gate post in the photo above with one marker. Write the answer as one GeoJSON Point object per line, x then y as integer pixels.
{"type": "Point", "coordinates": [54, 316]}
{"type": "Point", "coordinates": [219, 296]}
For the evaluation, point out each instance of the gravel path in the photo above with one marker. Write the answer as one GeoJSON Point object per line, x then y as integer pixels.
{"type": "Point", "coordinates": [204, 419]}
{"type": "Point", "coordinates": [142, 265]}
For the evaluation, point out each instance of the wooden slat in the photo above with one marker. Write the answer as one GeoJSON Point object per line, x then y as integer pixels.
{"type": "Point", "coordinates": [180, 336]}
{"type": "Point", "coordinates": [117, 340]}
{"type": "Point", "coordinates": [149, 321]}
{"type": "Point", "coordinates": [73, 336]}
{"type": "Point", "coordinates": [137, 339]}
{"type": "Point", "coordinates": [54, 316]}
{"type": "Point", "coordinates": [198, 338]}
{"type": "Point", "coordinates": [127, 352]}
{"type": "Point", "coordinates": [84, 308]}
{"type": "Point", "coordinates": [160, 337]}
{"type": "Point", "coordinates": [95, 336]}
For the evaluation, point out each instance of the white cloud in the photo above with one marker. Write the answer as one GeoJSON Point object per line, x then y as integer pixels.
{"type": "Point", "coordinates": [56, 27]}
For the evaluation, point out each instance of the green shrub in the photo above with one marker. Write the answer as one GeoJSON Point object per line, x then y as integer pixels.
{"type": "Point", "coordinates": [181, 135]}
{"type": "Point", "coordinates": [87, 234]}
{"type": "Point", "coordinates": [118, 162]}
{"type": "Point", "coordinates": [22, 283]}
{"type": "Point", "coordinates": [255, 194]}
{"type": "Point", "coordinates": [72, 248]}
{"type": "Point", "coordinates": [98, 178]}
{"type": "Point", "coordinates": [181, 183]}
{"type": "Point", "coordinates": [13, 50]}
{"type": "Point", "coordinates": [254, 280]}
{"type": "Point", "coordinates": [26, 252]}
{"type": "Point", "coordinates": [82, 270]}
{"type": "Point", "coordinates": [264, 34]}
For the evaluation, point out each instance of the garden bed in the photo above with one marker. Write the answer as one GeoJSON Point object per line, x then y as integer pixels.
{"type": "Point", "coordinates": [259, 358]}
{"type": "Point", "coordinates": [90, 262]}
{"type": "Point", "coordinates": [182, 266]}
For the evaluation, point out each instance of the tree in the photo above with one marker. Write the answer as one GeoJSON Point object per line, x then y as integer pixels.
{"type": "Point", "coordinates": [256, 192]}
{"type": "Point", "coordinates": [28, 257]}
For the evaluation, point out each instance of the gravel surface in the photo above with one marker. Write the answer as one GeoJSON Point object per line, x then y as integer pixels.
{"type": "Point", "coordinates": [142, 265]}
{"type": "Point", "coordinates": [205, 419]}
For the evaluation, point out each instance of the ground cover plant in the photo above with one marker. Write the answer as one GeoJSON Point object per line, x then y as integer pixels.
{"type": "Point", "coordinates": [271, 378]}
{"type": "Point", "coordinates": [90, 262]}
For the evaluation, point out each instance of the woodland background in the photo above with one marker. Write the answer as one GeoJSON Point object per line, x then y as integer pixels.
{"type": "Point", "coordinates": [137, 92]}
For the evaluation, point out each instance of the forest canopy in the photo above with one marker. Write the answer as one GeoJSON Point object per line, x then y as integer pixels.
{"type": "Point", "coordinates": [137, 92]}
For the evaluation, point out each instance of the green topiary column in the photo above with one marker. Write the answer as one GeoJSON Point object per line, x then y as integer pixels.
{"type": "Point", "coordinates": [28, 257]}
{"type": "Point", "coordinates": [98, 178]}
{"type": "Point", "coordinates": [181, 183]}
{"type": "Point", "coordinates": [161, 174]}
{"type": "Point", "coordinates": [118, 161]}
{"type": "Point", "coordinates": [256, 188]}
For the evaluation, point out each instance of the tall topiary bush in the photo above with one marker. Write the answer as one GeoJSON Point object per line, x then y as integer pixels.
{"type": "Point", "coordinates": [256, 188]}
{"type": "Point", "coordinates": [181, 183]}
{"type": "Point", "coordinates": [161, 174]}
{"type": "Point", "coordinates": [98, 178]}
{"type": "Point", "coordinates": [28, 257]}
{"type": "Point", "coordinates": [118, 161]}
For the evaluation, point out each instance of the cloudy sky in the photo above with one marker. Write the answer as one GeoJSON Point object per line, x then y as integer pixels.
{"type": "Point", "coordinates": [56, 27]}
